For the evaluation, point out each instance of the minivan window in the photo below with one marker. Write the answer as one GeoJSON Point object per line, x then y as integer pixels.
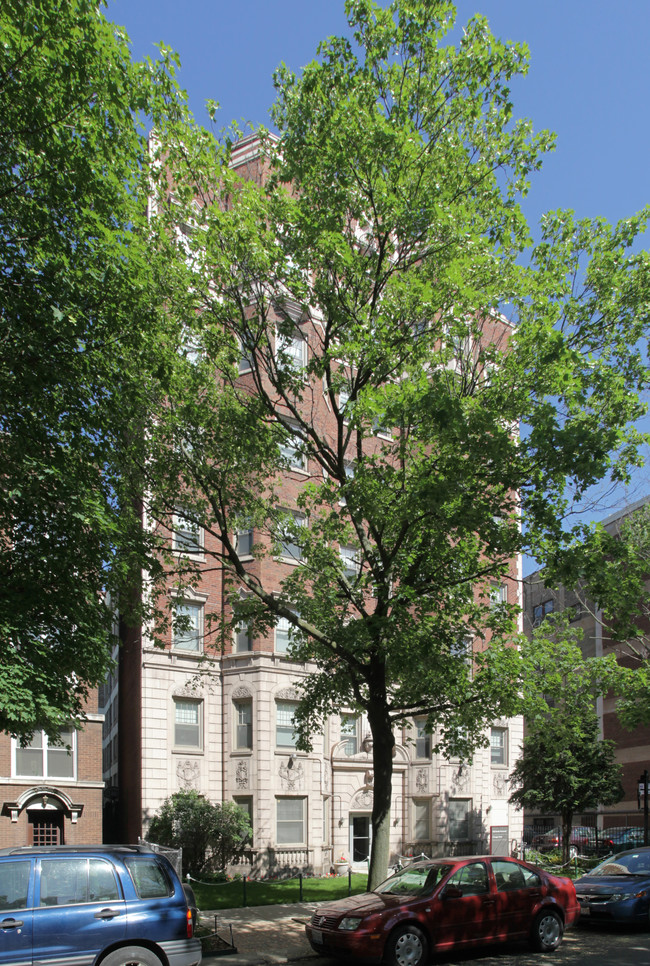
{"type": "Point", "coordinates": [149, 877]}
{"type": "Point", "coordinates": [14, 882]}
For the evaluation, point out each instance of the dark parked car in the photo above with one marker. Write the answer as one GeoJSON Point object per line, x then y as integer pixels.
{"type": "Point", "coordinates": [618, 889]}
{"type": "Point", "coordinates": [625, 837]}
{"type": "Point", "coordinates": [584, 839]}
{"type": "Point", "coordinates": [443, 904]}
{"type": "Point", "coordinates": [76, 906]}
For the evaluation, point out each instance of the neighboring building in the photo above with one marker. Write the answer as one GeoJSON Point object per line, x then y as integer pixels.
{"type": "Point", "coordinates": [632, 747]}
{"type": "Point", "coordinates": [52, 794]}
{"type": "Point", "coordinates": [218, 718]}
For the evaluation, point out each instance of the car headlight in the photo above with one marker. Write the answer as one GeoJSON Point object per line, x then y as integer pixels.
{"type": "Point", "coordinates": [350, 922]}
{"type": "Point", "coordinates": [617, 896]}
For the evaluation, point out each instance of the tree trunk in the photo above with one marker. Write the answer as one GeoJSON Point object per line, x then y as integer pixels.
{"type": "Point", "coordinates": [567, 821]}
{"type": "Point", "coordinates": [383, 745]}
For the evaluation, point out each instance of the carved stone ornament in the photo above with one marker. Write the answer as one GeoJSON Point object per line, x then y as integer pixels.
{"type": "Point", "coordinates": [292, 775]}
{"type": "Point", "coordinates": [287, 694]}
{"type": "Point", "coordinates": [422, 780]}
{"type": "Point", "coordinates": [242, 692]}
{"type": "Point", "coordinates": [187, 691]}
{"type": "Point", "coordinates": [461, 778]}
{"type": "Point", "coordinates": [187, 773]}
{"type": "Point", "coordinates": [363, 799]}
{"type": "Point", "coordinates": [241, 775]}
{"type": "Point", "coordinates": [500, 785]}
{"type": "Point", "coordinates": [326, 778]}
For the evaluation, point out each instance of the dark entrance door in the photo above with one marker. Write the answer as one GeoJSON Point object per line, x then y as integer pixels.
{"type": "Point", "coordinates": [359, 837]}
{"type": "Point", "coordinates": [45, 828]}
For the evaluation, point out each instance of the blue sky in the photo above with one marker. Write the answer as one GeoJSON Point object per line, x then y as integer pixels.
{"type": "Point", "coordinates": [589, 81]}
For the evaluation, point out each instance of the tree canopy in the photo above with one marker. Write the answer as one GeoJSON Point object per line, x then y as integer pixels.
{"type": "Point", "coordinates": [566, 767]}
{"type": "Point", "coordinates": [356, 280]}
{"type": "Point", "coordinates": [79, 288]}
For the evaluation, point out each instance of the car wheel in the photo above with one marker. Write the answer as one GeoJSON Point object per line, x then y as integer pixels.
{"type": "Point", "coordinates": [548, 930]}
{"type": "Point", "coordinates": [131, 956]}
{"type": "Point", "coordinates": [407, 946]}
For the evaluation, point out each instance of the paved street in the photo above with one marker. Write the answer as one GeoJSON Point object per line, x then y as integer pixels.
{"type": "Point", "coordinates": [593, 946]}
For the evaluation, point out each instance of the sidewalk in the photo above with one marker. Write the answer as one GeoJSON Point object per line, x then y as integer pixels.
{"type": "Point", "coordinates": [262, 934]}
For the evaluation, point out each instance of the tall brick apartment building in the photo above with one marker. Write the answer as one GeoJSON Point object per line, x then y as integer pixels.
{"type": "Point", "coordinates": [52, 794]}
{"type": "Point", "coordinates": [632, 747]}
{"type": "Point", "coordinates": [224, 726]}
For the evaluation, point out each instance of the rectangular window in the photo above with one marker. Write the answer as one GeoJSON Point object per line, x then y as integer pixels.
{"type": "Point", "coordinates": [422, 740]}
{"type": "Point", "coordinates": [350, 732]}
{"type": "Point", "coordinates": [246, 358]}
{"type": "Point", "coordinates": [351, 567]}
{"type": "Point", "coordinates": [188, 723]}
{"type": "Point", "coordinates": [291, 351]}
{"type": "Point", "coordinates": [186, 534]}
{"type": "Point", "coordinates": [291, 448]}
{"type": "Point", "coordinates": [349, 475]}
{"type": "Point", "coordinates": [243, 725]}
{"type": "Point", "coordinates": [422, 820]}
{"type": "Point", "coordinates": [499, 746]}
{"type": "Point", "coordinates": [14, 883]}
{"type": "Point", "coordinates": [245, 540]}
{"type": "Point", "coordinates": [498, 595]}
{"type": "Point", "coordinates": [284, 631]}
{"type": "Point", "coordinates": [290, 822]}
{"type": "Point", "coordinates": [459, 815]}
{"type": "Point", "coordinates": [242, 639]}
{"type": "Point", "coordinates": [289, 535]}
{"type": "Point", "coordinates": [284, 712]}
{"type": "Point", "coordinates": [540, 611]}
{"type": "Point", "coordinates": [187, 626]}
{"type": "Point", "coordinates": [43, 759]}
{"type": "Point", "coordinates": [245, 802]}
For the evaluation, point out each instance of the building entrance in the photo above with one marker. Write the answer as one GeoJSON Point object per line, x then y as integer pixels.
{"type": "Point", "coordinates": [360, 838]}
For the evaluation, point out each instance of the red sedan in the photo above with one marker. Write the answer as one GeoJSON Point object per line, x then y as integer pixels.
{"type": "Point", "coordinates": [447, 903]}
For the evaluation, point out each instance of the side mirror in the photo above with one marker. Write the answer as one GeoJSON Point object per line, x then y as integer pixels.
{"type": "Point", "coordinates": [452, 892]}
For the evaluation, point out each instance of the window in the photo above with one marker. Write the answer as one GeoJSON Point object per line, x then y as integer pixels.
{"type": "Point", "coordinates": [510, 877]}
{"type": "Point", "coordinates": [350, 731]}
{"type": "Point", "coordinates": [187, 723]}
{"type": "Point", "coordinates": [284, 633]}
{"type": "Point", "coordinates": [499, 746]}
{"type": "Point", "coordinates": [422, 820]}
{"type": "Point", "coordinates": [149, 877]}
{"type": "Point", "coordinates": [344, 399]}
{"type": "Point", "coordinates": [186, 535]}
{"type": "Point", "coordinates": [350, 560]}
{"type": "Point", "coordinates": [291, 448]}
{"type": "Point", "coordinates": [422, 739]}
{"type": "Point", "coordinates": [42, 759]}
{"type": "Point", "coordinates": [290, 820]}
{"type": "Point", "coordinates": [71, 880]}
{"type": "Point", "coordinates": [243, 724]}
{"type": "Point", "coordinates": [459, 812]}
{"type": "Point", "coordinates": [291, 350]}
{"type": "Point", "coordinates": [541, 610]}
{"type": "Point", "coordinates": [245, 541]}
{"type": "Point", "coordinates": [246, 358]}
{"type": "Point", "coordinates": [187, 626]}
{"type": "Point", "coordinates": [472, 879]}
{"type": "Point", "coordinates": [14, 883]}
{"type": "Point", "coordinates": [284, 712]}
{"type": "Point", "coordinates": [245, 802]}
{"type": "Point", "coordinates": [498, 595]}
{"type": "Point", "coordinates": [242, 639]}
{"type": "Point", "coordinates": [289, 535]}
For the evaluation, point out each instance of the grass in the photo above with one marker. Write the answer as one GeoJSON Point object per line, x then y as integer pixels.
{"type": "Point", "coordinates": [230, 895]}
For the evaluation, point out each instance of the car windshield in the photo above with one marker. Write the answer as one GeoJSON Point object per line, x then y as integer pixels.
{"type": "Point", "coordinates": [414, 880]}
{"type": "Point", "coordinates": [625, 863]}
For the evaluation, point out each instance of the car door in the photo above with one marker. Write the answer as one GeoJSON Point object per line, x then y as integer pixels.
{"type": "Point", "coordinates": [79, 910]}
{"type": "Point", "coordinates": [519, 891]}
{"type": "Point", "coordinates": [468, 913]}
{"type": "Point", "coordinates": [16, 914]}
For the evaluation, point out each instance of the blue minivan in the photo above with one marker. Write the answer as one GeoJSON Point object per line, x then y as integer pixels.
{"type": "Point", "coordinates": [90, 905]}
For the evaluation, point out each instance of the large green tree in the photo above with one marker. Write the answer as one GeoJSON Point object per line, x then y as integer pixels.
{"type": "Point", "coordinates": [364, 273]}
{"type": "Point", "coordinates": [80, 284]}
{"type": "Point", "coordinates": [566, 767]}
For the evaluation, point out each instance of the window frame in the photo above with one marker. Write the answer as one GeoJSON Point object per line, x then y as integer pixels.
{"type": "Point", "coordinates": [186, 547]}
{"type": "Point", "coordinates": [351, 737]}
{"type": "Point", "coordinates": [284, 703]}
{"type": "Point", "coordinates": [421, 737]}
{"type": "Point", "coordinates": [284, 553]}
{"type": "Point", "coordinates": [289, 843]}
{"type": "Point", "coordinates": [453, 823]}
{"type": "Point", "coordinates": [199, 606]}
{"type": "Point", "coordinates": [422, 804]}
{"type": "Point", "coordinates": [503, 733]}
{"type": "Point", "coordinates": [46, 749]}
{"type": "Point", "coordinates": [197, 748]}
{"type": "Point", "coordinates": [240, 704]}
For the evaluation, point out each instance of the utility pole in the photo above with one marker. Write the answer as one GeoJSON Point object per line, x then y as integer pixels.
{"type": "Point", "coordinates": [643, 789]}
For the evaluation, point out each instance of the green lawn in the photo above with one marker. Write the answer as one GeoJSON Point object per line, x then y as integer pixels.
{"type": "Point", "coordinates": [230, 895]}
